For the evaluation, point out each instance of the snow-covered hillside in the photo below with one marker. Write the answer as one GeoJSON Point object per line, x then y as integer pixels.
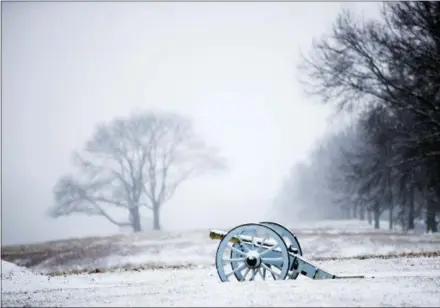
{"type": "Point", "coordinates": [319, 240]}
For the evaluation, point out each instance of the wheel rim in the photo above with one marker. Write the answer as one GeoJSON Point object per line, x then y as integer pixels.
{"type": "Point", "coordinates": [290, 240]}
{"type": "Point", "coordinates": [234, 255]}
{"type": "Point", "coordinates": [251, 260]}
{"type": "Point", "coordinates": [286, 234]}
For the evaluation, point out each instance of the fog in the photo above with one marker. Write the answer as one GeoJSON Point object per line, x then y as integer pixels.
{"type": "Point", "coordinates": [67, 66]}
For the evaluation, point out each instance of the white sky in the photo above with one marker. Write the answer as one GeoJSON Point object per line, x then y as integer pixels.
{"type": "Point", "coordinates": [231, 66]}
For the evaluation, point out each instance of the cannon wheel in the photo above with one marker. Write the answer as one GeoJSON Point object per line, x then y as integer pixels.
{"type": "Point", "coordinates": [237, 255]}
{"type": "Point", "coordinates": [288, 236]}
{"type": "Point", "coordinates": [290, 240]}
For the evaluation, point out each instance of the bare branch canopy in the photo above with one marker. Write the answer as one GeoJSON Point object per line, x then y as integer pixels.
{"type": "Point", "coordinates": [133, 163]}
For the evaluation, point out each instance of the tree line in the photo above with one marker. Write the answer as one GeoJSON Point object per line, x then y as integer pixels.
{"type": "Point", "coordinates": [385, 73]}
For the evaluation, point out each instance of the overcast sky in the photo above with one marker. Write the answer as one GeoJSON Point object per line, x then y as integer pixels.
{"type": "Point", "coordinates": [230, 66]}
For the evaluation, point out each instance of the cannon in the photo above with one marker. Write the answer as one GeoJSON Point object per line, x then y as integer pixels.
{"type": "Point", "coordinates": [263, 251]}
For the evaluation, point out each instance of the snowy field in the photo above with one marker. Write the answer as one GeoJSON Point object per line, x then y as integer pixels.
{"type": "Point", "coordinates": [397, 282]}
{"type": "Point", "coordinates": [178, 270]}
{"type": "Point", "coordinates": [174, 249]}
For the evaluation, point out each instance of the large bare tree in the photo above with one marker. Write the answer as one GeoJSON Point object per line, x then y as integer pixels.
{"type": "Point", "coordinates": [133, 163]}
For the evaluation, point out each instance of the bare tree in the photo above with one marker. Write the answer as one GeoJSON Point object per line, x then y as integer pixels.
{"type": "Point", "coordinates": [133, 163]}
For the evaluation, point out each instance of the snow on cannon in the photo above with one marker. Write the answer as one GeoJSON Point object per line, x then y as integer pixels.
{"type": "Point", "coordinates": [264, 250]}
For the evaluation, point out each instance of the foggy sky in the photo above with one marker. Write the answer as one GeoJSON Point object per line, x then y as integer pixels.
{"type": "Point", "coordinates": [230, 66]}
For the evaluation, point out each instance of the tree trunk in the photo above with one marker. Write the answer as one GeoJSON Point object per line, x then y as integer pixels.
{"type": "Point", "coordinates": [355, 212]}
{"type": "Point", "coordinates": [376, 213]}
{"type": "Point", "coordinates": [156, 217]}
{"type": "Point", "coordinates": [376, 220]}
{"type": "Point", "coordinates": [362, 212]}
{"type": "Point", "coordinates": [411, 212]}
{"type": "Point", "coordinates": [402, 217]}
{"type": "Point", "coordinates": [390, 217]}
{"type": "Point", "coordinates": [390, 201]}
{"type": "Point", "coordinates": [431, 224]}
{"type": "Point", "coordinates": [370, 220]}
{"type": "Point", "coordinates": [135, 219]}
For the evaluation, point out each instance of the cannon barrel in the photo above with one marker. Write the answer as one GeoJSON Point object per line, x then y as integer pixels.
{"type": "Point", "coordinates": [219, 235]}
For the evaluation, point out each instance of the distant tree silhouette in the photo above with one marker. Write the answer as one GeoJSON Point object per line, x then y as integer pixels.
{"type": "Point", "coordinates": [134, 162]}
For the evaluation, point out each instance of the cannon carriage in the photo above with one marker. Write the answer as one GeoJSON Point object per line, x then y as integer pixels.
{"type": "Point", "coordinates": [263, 251]}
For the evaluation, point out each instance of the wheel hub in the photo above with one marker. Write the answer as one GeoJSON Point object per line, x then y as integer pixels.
{"type": "Point", "coordinates": [253, 260]}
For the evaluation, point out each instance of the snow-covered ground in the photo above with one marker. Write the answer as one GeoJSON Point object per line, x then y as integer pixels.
{"type": "Point", "coordinates": [397, 281]}
{"type": "Point", "coordinates": [324, 239]}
